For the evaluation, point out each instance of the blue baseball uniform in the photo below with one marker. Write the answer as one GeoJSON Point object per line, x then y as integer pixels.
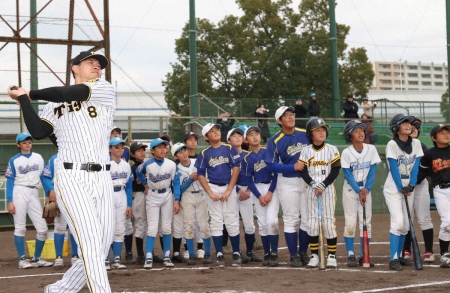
{"type": "Point", "coordinates": [283, 151]}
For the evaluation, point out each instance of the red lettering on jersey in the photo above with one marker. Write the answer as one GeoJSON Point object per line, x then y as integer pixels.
{"type": "Point", "coordinates": [440, 164]}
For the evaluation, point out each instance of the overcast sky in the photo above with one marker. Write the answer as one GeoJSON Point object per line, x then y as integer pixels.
{"type": "Point", "coordinates": [143, 33]}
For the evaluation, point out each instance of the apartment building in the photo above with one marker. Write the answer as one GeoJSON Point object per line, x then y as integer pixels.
{"type": "Point", "coordinates": [409, 76]}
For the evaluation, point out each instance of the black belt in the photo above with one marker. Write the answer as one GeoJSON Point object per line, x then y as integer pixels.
{"type": "Point", "coordinates": [403, 176]}
{"type": "Point", "coordinates": [360, 183]}
{"type": "Point", "coordinates": [242, 185]}
{"type": "Point", "coordinates": [195, 191]}
{"type": "Point", "coordinates": [160, 191]}
{"type": "Point", "coordinates": [219, 184]}
{"type": "Point", "coordinates": [267, 182]}
{"type": "Point", "coordinates": [118, 188]}
{"type": "Point", "coordinates": [29, 186]}
{"type": "Point", "coordinates": [444, 185]}
{"type": "Point", "coordinates": [89, 167]}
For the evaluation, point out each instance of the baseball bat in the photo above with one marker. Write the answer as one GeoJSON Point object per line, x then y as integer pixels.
{"type": "Point", "coordinates": [366, 255]}
{"type": "Point", "coordinates": [322, 265]}
{"type": "Point", "coordinates": [415, 246]}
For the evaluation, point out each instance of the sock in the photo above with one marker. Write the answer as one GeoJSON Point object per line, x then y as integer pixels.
{"type": "Point", "coordinates": [38, 249]}
{"type": "Point", "coordinates": [218, 243]}
{"type": "Point", "coordinates": [190, 245]}
{"type": "Point", "coordinates": [162, 244]}
{"type": "Point", "coordinates": [291, 241]}
{"type": "Point", "coordinates": [303, 240]}
{"type": "Point", "coordinates": [443, 246]}
{"type": "Point", "coordinates": [73, 245]}
{"type": "Point", "coordinates": [185, 246]}
{"type": "Point", "coordinates": [266, 243]}
{"type": "Point", "coordinates": [117, 249]}
{"type": "Point", "coordinates": [167, 241]}
{"type": "Point", "coordinates": [149, 244]}
{"type": "Point", "coordinates": [19, 241]}
{"type": "Point", "coordinates": [273, 239]}
{"type": "Point", "coordinates": [128, 240]}
{"type": "Point", "coordinates": [332, 245]}
{"type": "Point", "coordinates": [350, 244]}
{"type": "Point", "coordinates": [314, 244]}
{"type": "Point", "coordinates": [139, 246]}
{"type": "Point", "coordinates": [200, 245]}
{"type": "Point", "coordinates": [393, 247]}
{"type": "Point", "coordinates": [407, 244]}
{"type": "Point", "coordinates": [428, 239]}
{"type": "Point", "coordinates": [361, 246]}
{"type": "Point", "coordinates": [235, 243]}
{"type": "Point", "coordinates": [224, 236]}
{"type": "Point", "coordinates": [249, 241]}
{"type": "Point", "coordinates": [177, 244]}
{"type": "Point", "coordinates": [400, 245]}
{"type": "Point", "coordinates": [59, 242]}
{"type": "Point", "coordinates": [207, 245]}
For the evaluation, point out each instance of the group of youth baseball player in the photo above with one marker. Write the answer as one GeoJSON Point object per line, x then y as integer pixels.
{"type": "Point", "coordinates": [194, 197]}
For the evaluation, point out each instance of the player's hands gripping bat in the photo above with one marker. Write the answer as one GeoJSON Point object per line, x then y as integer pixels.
{"type": "Point", "coordinates": [366, 255]}
{"type": "Point", "coordinates": [415, 246]}
{"type": "Point", "coordinates": [322, 265]}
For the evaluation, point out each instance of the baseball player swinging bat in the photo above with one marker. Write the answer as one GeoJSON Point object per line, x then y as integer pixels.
{"type": "Point", "coordinates": [366, 256]}
{"type": "Point", "coordinates": [322, 265]}
{"type": "Point", "coordinates": [416, 252]}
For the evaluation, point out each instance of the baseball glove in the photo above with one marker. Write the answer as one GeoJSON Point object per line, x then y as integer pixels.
{"type": "Point", "coordinates": [51, 210]}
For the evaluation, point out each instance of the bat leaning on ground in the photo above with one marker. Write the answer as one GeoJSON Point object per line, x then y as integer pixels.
{"type": "Point", "coordinates": [415, 246]}
{"type": "Point", "coordinates": [366, 255]}
{"type": "Point", "coordinates": [322, 265]}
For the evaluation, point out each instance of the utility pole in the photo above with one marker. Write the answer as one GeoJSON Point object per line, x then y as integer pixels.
{"type": "Point", "coordinates": [334, 64]}
{"type": "Point", "coordinates": [193, 97]}
{"type": "Point", "coordinates": [34, 85]}
{"type": "Point", "coordinates": [447, 9]}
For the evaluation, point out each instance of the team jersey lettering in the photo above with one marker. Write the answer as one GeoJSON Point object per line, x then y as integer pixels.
{"type": "Point", "coordinates": [118, 175]}
{"type": "Point", "coordinates": [258, 166]}
{"type": "Point", "coordinates": [292, 150]}
{"type": "Point", "coordinates": [319, 163]}
{"type": "Point", "coordinates": [404, 160]}
{"type": "Point", "coordinates": [71, 107]}
{"type": "Point", "coordinates": [214, 162]}
{"type": "Point", "coordinates": [359, 166]}
{"type": "Point", "coordinates": [440, 164]}
{"type": "Point", "coordinates": [159, 177]}
{"type": "Point", "coordinates": [25, 170]}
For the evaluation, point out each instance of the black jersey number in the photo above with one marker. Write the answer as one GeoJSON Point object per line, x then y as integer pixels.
{"type": "Point", "coordinates": [92, 111]}
{"type": "Point", "coordinates": [323, 172]}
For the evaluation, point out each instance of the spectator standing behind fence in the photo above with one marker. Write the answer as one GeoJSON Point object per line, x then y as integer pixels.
{"type": "Point", "coordinates": [300, 112]}
{"type": "Point", "coordinates": [226, 124]}
{"type": "Point", "coordinates": [368, 107]}
{"type": "Point", "coordinates": [350, 108]}
{"type": "Point", "coordinates": [369, 130]}
{"type": "Point", "coordinates": [313, 106]}
{"type": "Point", "coordinates": [263, 124]}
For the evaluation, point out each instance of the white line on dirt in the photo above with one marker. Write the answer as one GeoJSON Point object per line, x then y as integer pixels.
{"type": "Point", "coordinates": [403, 287]}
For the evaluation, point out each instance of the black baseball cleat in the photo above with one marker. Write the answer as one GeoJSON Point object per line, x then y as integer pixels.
{"type": "Point", "coordinates": [140, 260]}
{"type": "Point", "coordinates": [157, 259]}
{"type": "Point", "coordinates": [406, 263]}
{"type": "Point", "coordinates": [296, 261]}
{"type": "Point", "coordinates": [351, 261]}
{"type": "Point", "coordinates": [177, 258]}
{"type": "Point", "coordinates": [360, 262]}
{"type": "Point", "coordinates": [273, 260]}
{"type": "Point", "coordinates": [253, 256]}
{"type": "Point", "coordinates": [266, 260]}
{"type": "Point", "coordinates": [395, 265]}
{"type": "Point", "coordinates": [191, 260]}
{"type": "Point", "coordinates": [207, 259]}
{"type": "Point", "coordinates": [305, 258]}
{"type": "Point", "coordinates": [130, 259]}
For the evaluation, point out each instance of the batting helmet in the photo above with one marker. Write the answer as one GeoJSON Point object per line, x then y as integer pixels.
{"type": "Point", "coordinates": [399, 119]}
{"type": "Point", "coordinates": [352, 126]}
{"type": "Point", "coordinates": [314, 124]}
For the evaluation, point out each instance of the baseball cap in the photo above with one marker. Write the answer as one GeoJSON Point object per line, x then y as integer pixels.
{"type": "Point", "coordinates": [115, 141]}
{"type": "Point", "coordinates": [23, 136]}
{"type": "Point", "coordinates": [235, 130]}
{"type": "Point", "coordinates": [116, 128]}
{"type": "Point", "coordinates": [312, 95]}
{"type": "Point", "coordinates": [186, 136]}
{"type": "Point", "coordinates": [350, 96]}
{"type": "Point", "coordinates": [250, 129]}
{"type": "Point", "coordinates": [208, 127]}
{"type": "Point", "coordinates": [299, 100]}
{"type": "Point", "coordinates": [281, 111]}
{"type": "Point", "coordinates": [417, 123]}
{"type": "Point", "coordinates": [177, 147]}
{"type": "Point", "coordinates": [166, 137]}
{"type": "Point", "coordinates": [87, 54]}
{"type": "Point", "coordinates": [157, 141]}
{"type": "Point", "coordinates": [136, 145]}
{"type": "Point", "coordinates": [365, 99]}
{"type": "Point", "coordinates": [438, 128]}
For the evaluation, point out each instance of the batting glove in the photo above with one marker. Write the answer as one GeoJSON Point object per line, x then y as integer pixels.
{"type": "Point", "coordinates": [320, 186]}
{"type": "Point", "coordinates": [411, 188]}
{"type": "Point", "coordinates": [312, 184]}
{"type": "Point", "coordinates": [405, 190]}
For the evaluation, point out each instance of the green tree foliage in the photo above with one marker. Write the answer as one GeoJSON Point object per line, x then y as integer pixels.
{"type": "Point", "coordinates": [269, 55]}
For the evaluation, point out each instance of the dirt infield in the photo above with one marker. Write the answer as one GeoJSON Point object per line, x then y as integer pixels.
{"type": "Point", "coordinates": [251, 277]}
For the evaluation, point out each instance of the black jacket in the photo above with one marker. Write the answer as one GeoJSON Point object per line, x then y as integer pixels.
{"type": "Point", "coordinates": [350, 109]}
{"type": "Point", "coordinates": [314, 108]}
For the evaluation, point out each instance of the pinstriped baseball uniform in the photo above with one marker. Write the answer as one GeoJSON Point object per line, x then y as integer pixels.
{"type": "Point", "coordinates": [319, 166]}
{"type": "Point", "coordinates": [82, 129]}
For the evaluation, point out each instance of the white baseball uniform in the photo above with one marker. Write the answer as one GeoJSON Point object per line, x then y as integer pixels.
{"type": "Point", "coordinates": [85, 198]}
